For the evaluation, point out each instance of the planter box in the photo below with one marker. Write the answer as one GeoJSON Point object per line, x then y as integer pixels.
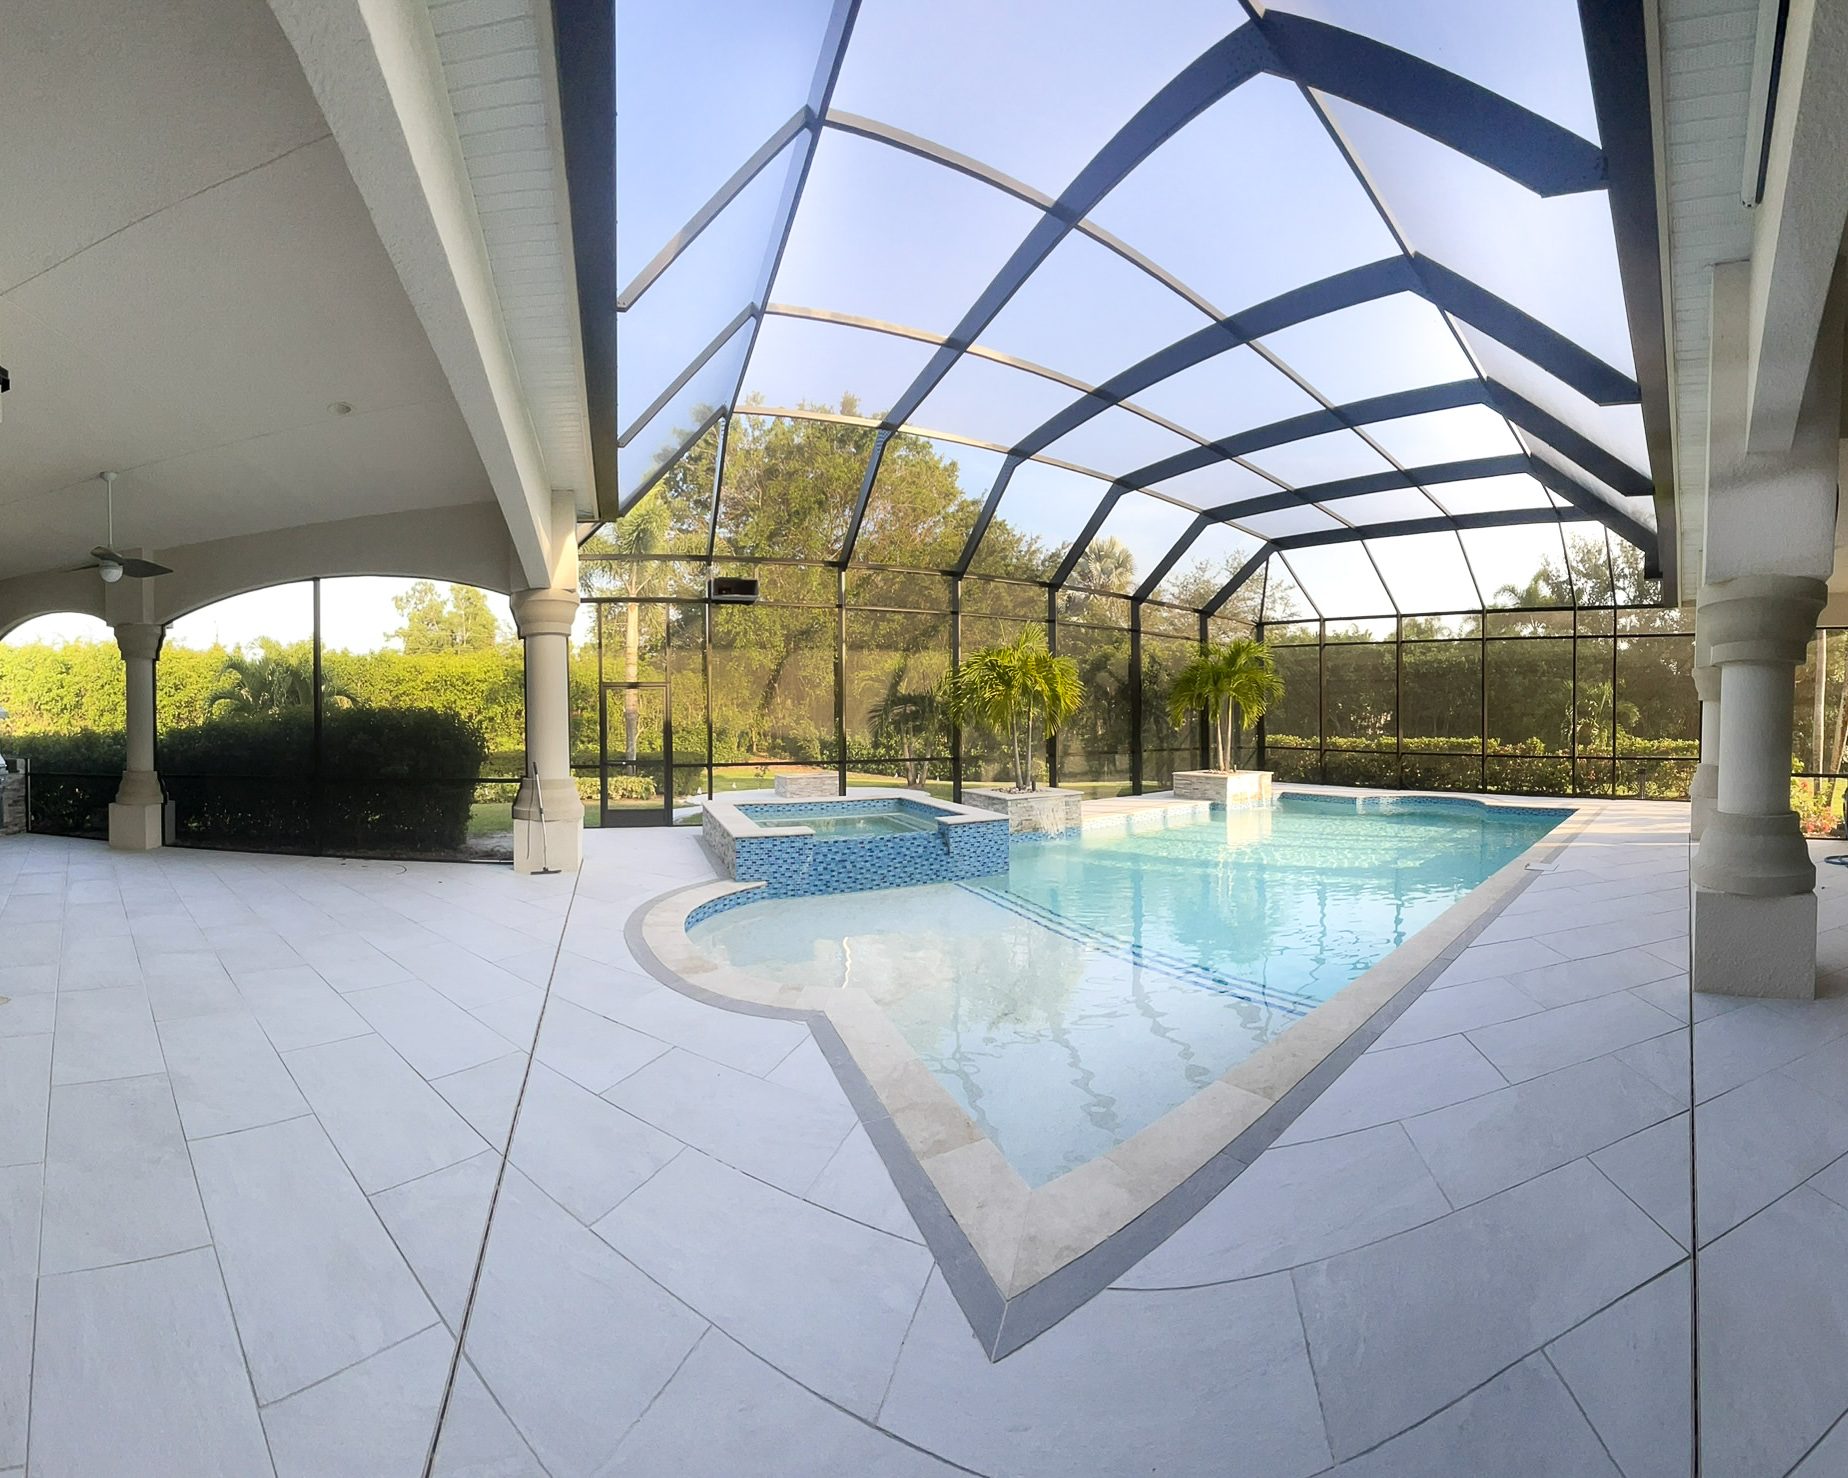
{"type": "Point", "coordinates": [808, 785]}
{"type": "Point", "coordinates": [1227, 788]}
{"type": "Point", "coordinates": [1046, 810]}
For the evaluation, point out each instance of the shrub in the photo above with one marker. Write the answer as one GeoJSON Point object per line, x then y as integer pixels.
{"type": "Point", "coordinates": [393, 780]}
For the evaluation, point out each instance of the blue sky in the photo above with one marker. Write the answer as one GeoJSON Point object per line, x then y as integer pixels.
{"type": "Point", "coordinates": [1251, 198]}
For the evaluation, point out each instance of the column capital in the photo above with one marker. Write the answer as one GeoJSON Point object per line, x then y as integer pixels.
{"type": "Point", "coordinates": [1758, 618]}
{"type": "Point", "coordinates": [140, 639]}
{"type": "Point", "coordinates": [544, 612]}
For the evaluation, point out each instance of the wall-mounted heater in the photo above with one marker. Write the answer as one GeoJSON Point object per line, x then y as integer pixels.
{"type": "Point", "coordinates": [731, 590]}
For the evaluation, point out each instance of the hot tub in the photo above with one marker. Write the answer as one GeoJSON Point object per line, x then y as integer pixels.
{"type": "Point", "coordinates": [876, 839]}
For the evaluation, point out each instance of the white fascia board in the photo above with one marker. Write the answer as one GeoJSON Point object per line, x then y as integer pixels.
{"type": "Point", "coordinates": [374, 68]}
{"type": "Point", "coordinates": [1797, 230]}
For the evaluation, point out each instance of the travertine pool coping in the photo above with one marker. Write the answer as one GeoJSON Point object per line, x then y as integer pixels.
{"type": "Point", "coordinates": [1020, 1258]}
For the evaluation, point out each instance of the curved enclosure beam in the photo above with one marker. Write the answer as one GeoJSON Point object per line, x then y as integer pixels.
{"type": "Point", "coordinates": [1437, 284]}
{"type": "Point", "coordinates": [1541, 156]}
{"type": "Point", "coordinates": [1244, 572]}
{"type": "Point", "coordinates": [799, 121]}
{"type": "Point", "coordinates": [1226, 65]}
{"type": "Point", "coordinates": [1497, 519]}
{"type": "Point", "coordinates": [1534, 151]}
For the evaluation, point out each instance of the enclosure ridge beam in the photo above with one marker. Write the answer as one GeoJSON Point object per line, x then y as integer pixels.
{"type": "Point", "coordinates": [1469, 118]}
{"type": "Point", "coordinates": [1245, 571]}
{"type": "Point", "coordinates": [1167, 562]}
{"type": "Point", "coordinates": [1087, 534]}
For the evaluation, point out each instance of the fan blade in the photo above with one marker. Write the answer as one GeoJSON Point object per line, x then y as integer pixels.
{"type": "Point", "coordinates": [101, 553]}
{"type": "Point", "coordinates": [75, 569]}
{"type": "Point", "coordinates": [143, 569]}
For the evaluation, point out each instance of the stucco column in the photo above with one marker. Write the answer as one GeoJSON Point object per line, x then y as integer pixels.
{"type": "Point", "coordinates": [1754, 883]}
{"type": "Point", "coordinates": [1704, 788]}
{"type": "Point", "coordinates": [548, 816]}
{"type": "Point", "coordinates": [138, 815]}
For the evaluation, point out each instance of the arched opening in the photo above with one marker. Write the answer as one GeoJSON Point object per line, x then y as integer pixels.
{"type": "Point", "coordinates": [62, 703]}
{"type": "Point", "coordinates": [357, 716]}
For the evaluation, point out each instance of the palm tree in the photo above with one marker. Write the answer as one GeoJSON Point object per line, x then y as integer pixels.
{"type": "Point", "coordinates": [1019, 688]}
{"type": "Point", "coordinates": [909, 716]}
{"type": "Point", "coordinates": [269, 682]}
{"type": "Point", "coordinates": [1235, 682]}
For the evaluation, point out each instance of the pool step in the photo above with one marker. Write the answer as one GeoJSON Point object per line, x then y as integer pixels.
{"type": "Point", "coordinates": [1175, 967]}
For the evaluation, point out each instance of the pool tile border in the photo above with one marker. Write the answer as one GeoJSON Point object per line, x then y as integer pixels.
{"type": "Point", "coordinates": [1019, 1258]}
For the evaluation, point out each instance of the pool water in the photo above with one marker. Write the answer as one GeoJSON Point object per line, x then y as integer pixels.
{"type": "Point", "coordinates": [1107, 977]}
{"type": "Point", "coordinates": [842, 825]}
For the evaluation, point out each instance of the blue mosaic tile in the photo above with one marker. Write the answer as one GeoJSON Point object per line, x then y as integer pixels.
{"type": "Point", "coordinates": [792, 866]}
{"type": "Point", "coordinates": [1409, 802]}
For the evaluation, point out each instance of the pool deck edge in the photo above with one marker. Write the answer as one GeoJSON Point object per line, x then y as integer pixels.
{"type": "Point", "coordinates": [1021, 1258]}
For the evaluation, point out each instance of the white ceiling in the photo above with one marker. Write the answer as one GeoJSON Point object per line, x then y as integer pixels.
{"type": "Point", "coordinates": [188, 281]}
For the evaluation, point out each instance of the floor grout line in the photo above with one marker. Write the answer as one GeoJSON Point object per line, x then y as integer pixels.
{"type": "Point", "coordinates": [500, 1178]}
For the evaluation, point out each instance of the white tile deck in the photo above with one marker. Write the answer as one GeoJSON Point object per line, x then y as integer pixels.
{"type": "Point", "coordinates": [251, 1109]}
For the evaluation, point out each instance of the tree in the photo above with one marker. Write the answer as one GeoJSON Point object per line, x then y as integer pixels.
{"type": "Point", "coordinates": [1235, 682]}
{"type": "Point", "coordinates": [909, 717]}
{"type": "Point", "coordinates": [641, 532]}
{"type": "Point", "coordinates": [269, 680]}
{"type": "Point", "coordinates": [1106, 564]}
{"type": "Point", "coordinates": [1018, 688]}
{"type": "Point", "coordinates": [437, 624]}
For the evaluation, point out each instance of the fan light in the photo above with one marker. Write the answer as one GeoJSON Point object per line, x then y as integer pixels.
{"type": "Point", "coordinates": [110, 571]}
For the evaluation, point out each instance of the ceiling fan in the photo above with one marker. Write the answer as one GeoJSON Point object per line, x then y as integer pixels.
{"type": "Point", "coordinates": [104, 558]}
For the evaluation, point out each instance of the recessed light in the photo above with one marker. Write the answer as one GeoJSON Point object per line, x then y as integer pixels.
{"type": "Point", "coordinates": [341, 408]}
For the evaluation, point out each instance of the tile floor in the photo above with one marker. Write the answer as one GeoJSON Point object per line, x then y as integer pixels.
{"type": "Point", "coordinates": [252, 1114]}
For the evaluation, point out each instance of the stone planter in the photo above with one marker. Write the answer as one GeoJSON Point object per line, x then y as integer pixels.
{"type": "Point", "coordinates": [1229, 788]}
{"type": "Point", "coordinates": [807, 785]}
{"type": "Point", "coordinates": [1046, 810]}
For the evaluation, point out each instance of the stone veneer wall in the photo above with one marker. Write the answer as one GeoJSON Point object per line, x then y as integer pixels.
{"type": "Point", "coordinates": [808, 786]}
{"type": "Point", "coordinates": [12, 803]}
{"type": "Point", "coordinates": [1236, 788]}
{"type": "Point", "coordinates": [1046, 811]}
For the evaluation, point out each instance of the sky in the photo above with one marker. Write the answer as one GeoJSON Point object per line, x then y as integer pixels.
{"type": "Point", "coordinates": [357, 615]}
{"type": "Point", "coordinates": [1249, 199]}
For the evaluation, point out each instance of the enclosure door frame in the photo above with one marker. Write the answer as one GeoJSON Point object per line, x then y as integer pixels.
{"type": "Point", "coordinates": [638, 816]}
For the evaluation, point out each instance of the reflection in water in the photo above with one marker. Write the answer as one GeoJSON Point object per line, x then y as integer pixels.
{"type": "Point", "coordinates": [1107, 978]}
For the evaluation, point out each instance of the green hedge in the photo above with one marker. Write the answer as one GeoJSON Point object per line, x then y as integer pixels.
{"type": "Point", "coordinates": [1656, 769]}
{"type": "Point", "coordinates": [393, 780]}
{"type": "Point", "coordinates": [1630, 746]}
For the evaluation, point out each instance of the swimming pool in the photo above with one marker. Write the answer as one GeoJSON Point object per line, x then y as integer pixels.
{"type": "Point", "coordinates": [1107, 977]}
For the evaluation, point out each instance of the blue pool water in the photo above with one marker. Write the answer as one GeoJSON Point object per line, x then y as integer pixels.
{"type": "Point", "coordinates": [1106, 977]}
{"type": "Point", "coordinates": [841, 825]}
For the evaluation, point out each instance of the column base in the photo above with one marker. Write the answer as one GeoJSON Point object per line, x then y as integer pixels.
{"type": "Point", "coordinates": [139, 826]}
{"type": "Point", "coordinates": [1745, 946]}
{"type": "Point", "coordinates": [556, 842]}
{"type": "Point", "coordinates": [547, 846]}
{"type": "Point", "coordinates": [1759, 856]}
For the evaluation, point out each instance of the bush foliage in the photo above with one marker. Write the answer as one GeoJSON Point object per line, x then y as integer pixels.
{"type": "Point", "coordinates": [393, 780]}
